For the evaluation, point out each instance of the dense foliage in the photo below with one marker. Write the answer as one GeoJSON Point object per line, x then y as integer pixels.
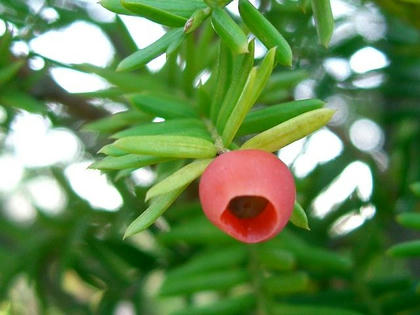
{"type": "Point", "coordinates": [219, 90]}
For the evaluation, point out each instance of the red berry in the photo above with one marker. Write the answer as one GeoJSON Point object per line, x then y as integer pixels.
{"type": "Point", "coordinates": [249, 194]}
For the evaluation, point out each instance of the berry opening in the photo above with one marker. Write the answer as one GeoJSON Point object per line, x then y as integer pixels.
{"type": "Point", "coordinates": [247, 206]}
{"type": "Point", "coordinates": [250, 217]}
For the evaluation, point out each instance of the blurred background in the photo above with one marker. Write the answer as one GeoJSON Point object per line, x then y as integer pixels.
{"type": "Point", "coordinates": [61, 224]}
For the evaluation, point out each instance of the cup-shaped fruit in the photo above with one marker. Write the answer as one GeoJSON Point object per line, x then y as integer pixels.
{"type": "Point", "coordinates": [249, 194]}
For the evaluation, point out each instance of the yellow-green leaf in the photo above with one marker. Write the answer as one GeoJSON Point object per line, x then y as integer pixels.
{"type": "Point", "coordinates": [257, 80]}
{"type": "Point", "coordinates": [128, 161]}
{"type": "Point", "coordinates": [289, 131]}
{"type": "Point", "coordinates": [182, 177]}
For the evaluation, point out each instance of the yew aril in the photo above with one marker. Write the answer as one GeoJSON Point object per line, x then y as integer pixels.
{"type": "Point", "coordinates": [249, 194]}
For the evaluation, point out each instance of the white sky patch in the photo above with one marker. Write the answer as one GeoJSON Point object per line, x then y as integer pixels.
{"type": "Point", "coordinates": [144, 33]}
{"type": "Point", "coordinates": [3, 115]}
{"type": "Point", "coordinates": [98, 12]}
{"type": "Point", "coordinates": [371, 81]}
{"type": "Point", "coordinates": [338, 103]}
{"type": "Point", "coordinates": [351, 221]}
{"type": "Point", "coordinates": [93, 186]}
{"type": "Point", "coordinates": [339, 68]}
{"type": "Point", "coordinates": [46, 194]}
{"type": "Point", "coordinates": [19, 48]}
{"type": "Point", "coordinates": [322, 147]}
{"type": "Point", "coordinates": [11, 171]}
{"type": "Point", "coordinates": [19, 208]}
{"type": "Point", "coordinates": [35, 144]}
{"type": "Point", "coordinates": [2, 27]}
{"type": "Point", "coordinates": [143, 176]}
{"type": "Point", "coordinates": [124, 308]}
{"type": "Point", "coordinates": [367, 59]}
{"type": "Point", "coordinates": [356, 175]}
{"type": "Point", "coordinates": [49, 14]}
{"type": "Point", "coordinates": [202, 77]}
{"type": "Point", "coordinates": [341, 8]}
{"type": "Point", "coordinates": [80, 42]}
{"type": "Point", "coordinates": [35, 5]}
{"type": "Point", "coordinates": [369, 23]}
{"type": "Point", "coordinates": [366, 135]}
{"type": "Point", "coordinates": [233, 8]}
{"type": "Point", "coordinates": [290, 152]}
{"type": "Point", "coordinates": [158, 119]}
{"type": "Point", "coordinates": [78, 82]}
{"type": "Point", "coordinates": [36, 63]}
{"type": "Point", "coordinates": [342, 31]}
{"type": "Point", "coordinates": [305, 89]}
{"type": "Point", "coordinates": [260, 49]}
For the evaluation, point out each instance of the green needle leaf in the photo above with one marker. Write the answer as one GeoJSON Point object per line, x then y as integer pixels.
{"type": "Point", "coordinates": [299, 218]}
{"type": "Point", "coordinates": [285, 79]}
{"type": "Point", "coordinates": [117, 121]}
{"type": "Point", "coordinates": [182, 177]}
{"type": "Point", "coordinates": [298, 309]}
{"type": "Point", "coordinates": [168, 146]}
{"type": "Point", "coordinates": [242, 65]}
{"type": "Point", "coordinates": [156, 11]}
{"type": "Point", "coordinates": [157, 207]}
{"type": "Point", "coordinates": [287, 132]}
{"type": "Point", "coordinates": [263, 119]}
{"type": "Point", "coordinates": [111, 150]}
{"type": "Point", "coordinates": [229, 31]}
{"type": "Point", "coordinates": [222, 79]}
{"type": "Point", "coordinates": [406, 249]}
{"type": "Point", "coordinates": [409, 220]}
{"type": "Point", "coordinates": [219, 280]}
{"type": "Point", "coordinates": [324, 20]}
{"type": "Point", "coordinates": [180, 8]}
{"type": "Point", "coordinates": [265, 32]}
{"type": "Point", "coordinates": [256, 82]}
{"type": "Point", "coordinates": [181, 127]}
{"type": "Point", "coordinates": [143, 56]}
{"type": "Point", "coordinates": [209, 260]}
{"type": "Point", "coordinates": [276, 258]}
{"type": "Point", "coordinates": [415, 188]}
{"type": "Point", "coordinates": [227, 306]}
{"type": "Point", "coordinates": [8, 72]}
{"type": "Point", "coordinates": [162, 105]}
{"type": "Point", "coordinates": [115, 6]}
{"type": "Point", "coordinates": [128, 161]}
{"type": "Point", "coordinates": [287, 283]}
{"type": "Point", "coordinates": [16, 99]}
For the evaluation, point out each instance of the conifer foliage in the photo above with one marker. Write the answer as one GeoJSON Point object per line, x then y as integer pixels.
{"type": "Point", "coordinates": [225, 227]}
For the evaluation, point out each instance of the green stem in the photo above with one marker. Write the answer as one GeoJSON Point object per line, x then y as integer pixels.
{"type": "Point", "coordinates": [218, 142]}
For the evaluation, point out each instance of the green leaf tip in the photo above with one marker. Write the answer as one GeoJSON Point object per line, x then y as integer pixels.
{"type": "Point", "coordinates": [157, 207]}
{"type": "Point", "coordinates": [324, 20]}
{"type": "Point", "coordinates": [405, 249]}
{"type": "Point", "coordinates": [143, 56]}
{"type": "Point", "coordinates": [299, 217]}
{"type": "Point", "coordinates": [182, 177]}
{"type": "Point", "coordinates": [230, 32]}
{"type": "Point", "coordinates": [265, 32]}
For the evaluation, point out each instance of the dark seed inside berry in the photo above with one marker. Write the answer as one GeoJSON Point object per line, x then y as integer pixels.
{"type": "Point", "coordinates": [247, 206]}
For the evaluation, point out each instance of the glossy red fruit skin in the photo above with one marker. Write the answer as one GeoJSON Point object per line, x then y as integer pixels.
{"type": "Point", "coordinates": [248, 173]}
